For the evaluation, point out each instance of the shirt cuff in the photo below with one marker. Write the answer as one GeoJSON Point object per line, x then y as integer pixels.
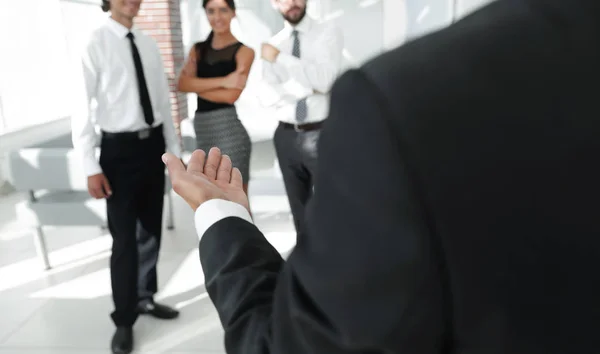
{"type": "Point", "coordinates": [91, 166]}
{"type": "Point", "coordinates": [215, 210]}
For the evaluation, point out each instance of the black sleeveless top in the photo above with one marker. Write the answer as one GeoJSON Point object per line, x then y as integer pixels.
{"type": "Point", "coordinates": [215, 63]}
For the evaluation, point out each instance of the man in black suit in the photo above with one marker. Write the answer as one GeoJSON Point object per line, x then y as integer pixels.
{"type": "Point", "coordinates": [456, 207]}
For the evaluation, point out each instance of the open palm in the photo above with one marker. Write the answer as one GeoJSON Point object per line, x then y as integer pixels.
{"type": "Point", "coordinates": [206, 177]}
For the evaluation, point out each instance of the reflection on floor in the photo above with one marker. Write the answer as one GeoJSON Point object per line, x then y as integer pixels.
{"type": "Point", "coordinates": [66, 310]}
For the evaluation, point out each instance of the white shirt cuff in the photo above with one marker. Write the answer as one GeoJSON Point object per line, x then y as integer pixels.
{"type": "Point", "coordinates": [91, 166]}
{"type": "Point", "coordinates": [215, 210]}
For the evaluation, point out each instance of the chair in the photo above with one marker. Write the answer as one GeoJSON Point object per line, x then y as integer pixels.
{"type": "Point", "coordinates": [52, 175]}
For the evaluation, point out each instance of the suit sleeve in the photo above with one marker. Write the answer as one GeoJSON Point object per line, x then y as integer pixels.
{"type": "Point", "coordinates": [364, 279]}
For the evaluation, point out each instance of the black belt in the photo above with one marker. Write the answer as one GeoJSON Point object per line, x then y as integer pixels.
{"type": "Point", "coordinates": [136, 135]}
{"type": "Point", "coordinates": [303, 127]}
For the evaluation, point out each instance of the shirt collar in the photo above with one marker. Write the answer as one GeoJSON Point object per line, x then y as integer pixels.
{"type": "Point", "coordinates": [118, 29]}
{"type": "Point", "coordinates": [302, 27]}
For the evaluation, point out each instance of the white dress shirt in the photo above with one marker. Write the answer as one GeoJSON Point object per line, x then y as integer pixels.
{"type": "Point", "coordinates": [109, 79]}
{"type": "Point", "coordinates": [290, 79]}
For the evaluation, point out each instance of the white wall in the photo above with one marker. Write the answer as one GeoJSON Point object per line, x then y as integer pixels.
{"type": "Point", "coordinates": [34, 62]}
{"type": "Point", "coordinates": [465, 7]}
{"type": "Point", "coordinates": [41, 38]}
{"type": "Point", "coordinates": [408, 19]}
{"type": "Point", "coordinates": [40, 41]}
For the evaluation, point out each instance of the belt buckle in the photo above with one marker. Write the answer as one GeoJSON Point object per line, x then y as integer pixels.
{"type": "Point", "coordinates": [297, 128]}
{"type": "Point", "coordinates": [144, 134]}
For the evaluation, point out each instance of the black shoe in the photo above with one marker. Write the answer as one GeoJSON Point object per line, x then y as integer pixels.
{"type": "Point", "coordinates": [122, 341]}
{"type": "Point", "coordinates": [157, 310]}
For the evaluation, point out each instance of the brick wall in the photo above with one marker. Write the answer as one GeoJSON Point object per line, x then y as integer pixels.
{"type": "Point", "coordinates": [161, 19]}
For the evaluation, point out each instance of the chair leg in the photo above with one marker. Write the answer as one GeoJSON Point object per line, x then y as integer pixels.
{"type": "Point", "coordinates": [170, 218]}
{"type": "Point", "coordinates": [40, 247]}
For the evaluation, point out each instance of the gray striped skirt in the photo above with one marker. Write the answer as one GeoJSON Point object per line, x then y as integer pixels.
{"type": "Point", "coordinates": [223, 129]}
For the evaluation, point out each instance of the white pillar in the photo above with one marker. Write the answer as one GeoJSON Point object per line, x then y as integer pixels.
{"type": "Point", "coordinates": [394, 23]}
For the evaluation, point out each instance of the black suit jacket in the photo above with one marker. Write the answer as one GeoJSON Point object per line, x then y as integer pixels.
{"type": "Point", "coordinates": [456, 207]}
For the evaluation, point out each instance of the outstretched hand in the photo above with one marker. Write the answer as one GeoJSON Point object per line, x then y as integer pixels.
{"type": "Point", "coordinates": [206, 177]}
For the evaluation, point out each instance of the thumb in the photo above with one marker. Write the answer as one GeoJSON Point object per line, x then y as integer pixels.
{"type": "Point", "coordinates": [174, 164]}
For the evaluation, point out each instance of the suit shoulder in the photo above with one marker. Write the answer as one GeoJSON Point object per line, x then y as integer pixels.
{"type": "Point", "coordinates": [453, 56]}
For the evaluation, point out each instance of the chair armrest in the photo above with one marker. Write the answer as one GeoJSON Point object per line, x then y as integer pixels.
{"type": "Point", "coordinates": [46, 168]}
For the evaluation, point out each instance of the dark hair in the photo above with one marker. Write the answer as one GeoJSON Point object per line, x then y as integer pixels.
{"type": "Point", "coordinates": [105, 5]}
{"type": "Point", "coordinates": [230, 4]}
{"type": "Point", "coordinates": [207, 42]}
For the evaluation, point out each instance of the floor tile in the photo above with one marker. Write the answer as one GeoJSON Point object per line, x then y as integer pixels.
{"type": "Point", "coordinates": [66, 309]}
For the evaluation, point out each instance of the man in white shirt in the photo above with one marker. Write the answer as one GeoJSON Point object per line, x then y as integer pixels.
{"type": "Point", "coordinates": [123, 73]}
{"type": "Point", "coordinates": [301, 63]}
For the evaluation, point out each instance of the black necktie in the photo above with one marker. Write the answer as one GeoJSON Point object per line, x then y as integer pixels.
{"type": "Point", "coordinates": [141, 79]}
{"type": "Point", "coordinates": [301, 108]}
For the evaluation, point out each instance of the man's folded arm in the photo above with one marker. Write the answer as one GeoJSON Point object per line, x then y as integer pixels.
{"type": "Point", "coordinates": [277, 89]}
{"type": "Point", "coordinates": [319, 73]}
{"type": "Point", "coordinates": [290, 79]}
{"type": "Point", "coordinates": [363, 279]}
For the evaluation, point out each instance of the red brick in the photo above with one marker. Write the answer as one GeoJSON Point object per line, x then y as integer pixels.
{"type": "Point", "coordinates": [161, 20]}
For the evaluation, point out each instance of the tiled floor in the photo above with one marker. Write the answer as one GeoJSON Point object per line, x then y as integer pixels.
{"type": "Point", "coordinates": [66, 310]}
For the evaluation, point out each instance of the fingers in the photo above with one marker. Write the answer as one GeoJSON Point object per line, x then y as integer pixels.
{"type": "Point", "coordinates": [97, 193]}
{"type": "Point", "coordinates": [224, 171]}
{"type": "Point", "coordinates": [107, 191]}
{"type": "Point", "coordinates": [174, 165]}
{"type": "Point", "coordinates": [182, 181]}
{"type": "Point", "coordinates": [212, 163]}
{"type": "Point", "coordinates": [196, 163]}
{"type": "Point", "coordinates": [98, 186]}
{"type": "Point", "coordinates": [236, 178]}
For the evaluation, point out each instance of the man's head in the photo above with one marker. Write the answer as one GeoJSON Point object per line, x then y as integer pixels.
{"type": "Point", "coordinates": [127, 9]}
{"type": "Point", "coordinates": [292, 10]}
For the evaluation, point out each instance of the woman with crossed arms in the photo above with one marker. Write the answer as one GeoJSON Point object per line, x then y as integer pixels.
{"type": "Point", "coordinates": [217, 70]}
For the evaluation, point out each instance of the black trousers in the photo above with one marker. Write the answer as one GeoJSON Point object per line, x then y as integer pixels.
{"type": "Point", "coordinates": [136, 174]}
{"type": "Point", "coordinates": [297, 155]}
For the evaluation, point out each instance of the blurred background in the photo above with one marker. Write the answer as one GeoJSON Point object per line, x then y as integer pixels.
{"type": "Point", "coordinates": [41, 41]}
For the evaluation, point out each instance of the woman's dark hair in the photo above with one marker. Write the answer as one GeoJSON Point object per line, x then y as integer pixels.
{"type": "Point", "coordinates": [230, 4]}
{"type": "Point", "coordinates": [105, 5]}
{"type": "Point", "coordinates": [208, 41]}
